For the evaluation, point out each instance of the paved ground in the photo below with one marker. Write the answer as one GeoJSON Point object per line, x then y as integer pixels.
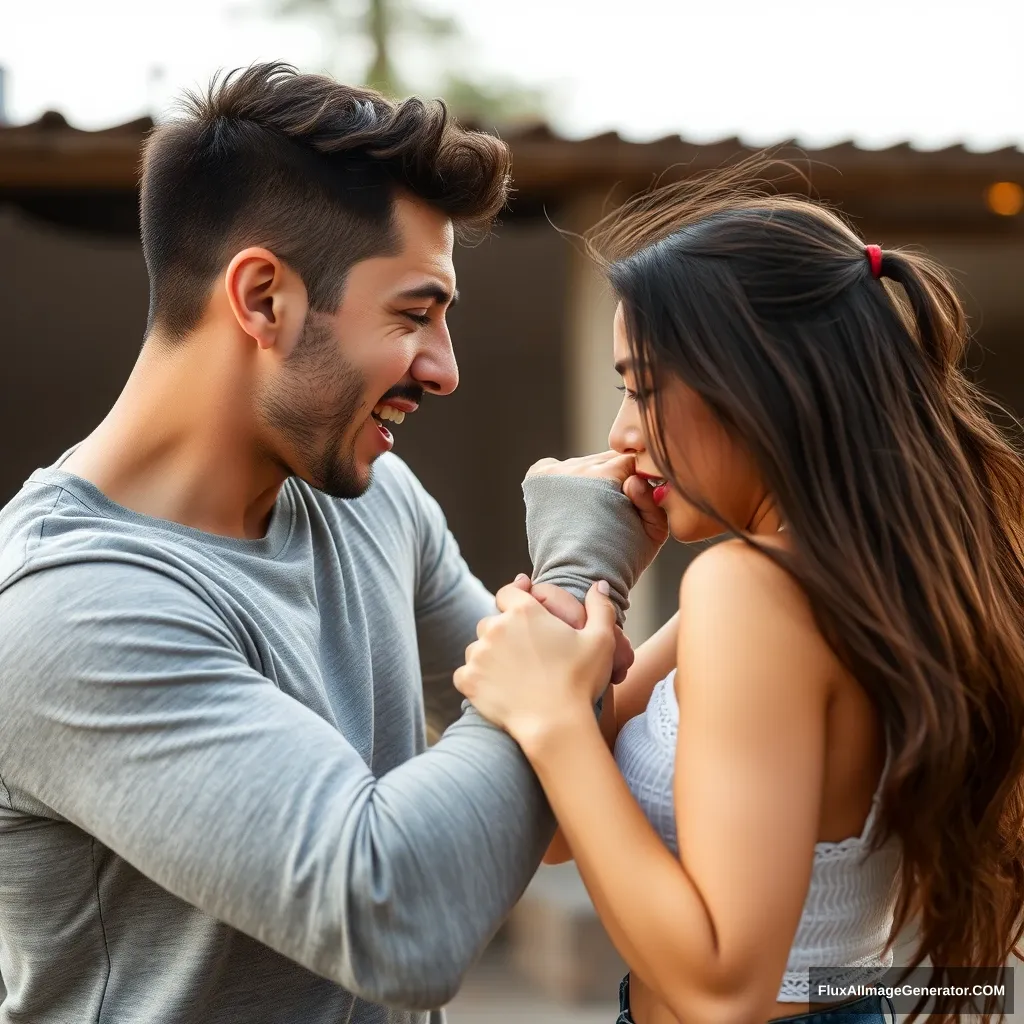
{"type": "Point", "coordinates": [495, 994]}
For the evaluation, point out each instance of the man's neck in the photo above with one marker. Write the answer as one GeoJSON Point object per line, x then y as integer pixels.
{"type": "Point", "coordinates": [180, 443]}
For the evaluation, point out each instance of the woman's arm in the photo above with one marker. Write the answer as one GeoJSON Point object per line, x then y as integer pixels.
{"type": "Point", "coordinates": [655, 658]}
{"type": "Point", "coordinates": [710, 930]}
{"type": "Point", "coordinates": [559, 852]}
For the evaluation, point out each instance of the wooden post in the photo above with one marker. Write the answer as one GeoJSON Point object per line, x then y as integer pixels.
{"type": "Point", "coordinates": [591, 381]}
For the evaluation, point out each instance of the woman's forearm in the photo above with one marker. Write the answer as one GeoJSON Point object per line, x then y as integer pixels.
{"type": "Point", "coordinates": [559, 852]}
{"type": "Point", "coordinates": [650, 908]}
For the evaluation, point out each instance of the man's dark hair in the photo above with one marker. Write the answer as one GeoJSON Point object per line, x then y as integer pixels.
{"type": "Point", "coordinates": [306, 167]}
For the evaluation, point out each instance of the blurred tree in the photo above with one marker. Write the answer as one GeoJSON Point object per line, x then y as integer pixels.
{"type": "Point", "coordinates": [389, 24]}
{"type": "Point", "coordinates": [494, 102]}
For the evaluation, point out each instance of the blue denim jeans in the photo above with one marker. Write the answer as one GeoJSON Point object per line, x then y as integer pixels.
{"type": "Point", "coordinates": [869, 1010]}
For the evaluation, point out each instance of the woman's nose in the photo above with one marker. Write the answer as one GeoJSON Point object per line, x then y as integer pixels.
{"type": "Point", "coordinates": [625, 436]}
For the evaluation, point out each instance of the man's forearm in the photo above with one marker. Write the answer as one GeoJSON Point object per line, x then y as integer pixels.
{"type": "Point", "coordinates": [581, 530]}
{"type": "Point", "coordinates": [479, 816]}
{"type": "Point", "coordinates": [465, 828]}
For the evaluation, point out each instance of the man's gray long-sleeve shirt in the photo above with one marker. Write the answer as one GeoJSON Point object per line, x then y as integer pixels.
{"type": "Point", "coordinates": [216, 801]}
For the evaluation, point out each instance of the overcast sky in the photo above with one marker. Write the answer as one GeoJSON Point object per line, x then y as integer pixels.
{"type": "Point", "coordinates": [933, 72]}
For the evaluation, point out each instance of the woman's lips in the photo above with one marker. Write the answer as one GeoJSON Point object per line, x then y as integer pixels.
{"type": "Point", "coordinates": [658, 485]}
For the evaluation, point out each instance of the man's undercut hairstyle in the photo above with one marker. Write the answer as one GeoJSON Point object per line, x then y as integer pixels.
{"type": "Point", "coordinates": [306, 168]}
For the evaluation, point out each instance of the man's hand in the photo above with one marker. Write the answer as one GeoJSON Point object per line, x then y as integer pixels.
{"type": "Point", "coordinates": [621, 470]}
{"type": "Point", "coordinates": [563, 605]}
{"type": "Point", "coordinates": [610, 465]}
{"type": "Point", "coordinates": [655, 521]}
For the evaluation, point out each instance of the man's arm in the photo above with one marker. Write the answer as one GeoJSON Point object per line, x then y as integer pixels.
{"type": "Point", "coordinates": [579, 530]}
{"type": "Point", "coordinates": [130, 710]}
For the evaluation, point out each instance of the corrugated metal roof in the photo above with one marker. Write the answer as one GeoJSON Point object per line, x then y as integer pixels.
{"type": "Point", "coordinates": [848, 154]}
{"type": "Point", "coordinates": [53, 124]}
{"type": "Point", "coordinates": [544, 133]}
{"type": "Point", "coordinates": [915, 187]}
{"type": "Point", "coordinates": [52, 121]}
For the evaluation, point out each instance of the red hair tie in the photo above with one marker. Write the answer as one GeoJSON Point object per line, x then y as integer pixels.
{"type": "Point", "coordinates": [875, 259]}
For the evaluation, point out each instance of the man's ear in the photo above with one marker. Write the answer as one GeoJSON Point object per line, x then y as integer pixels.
{"type": "Point", "coordinates": [267, 298]}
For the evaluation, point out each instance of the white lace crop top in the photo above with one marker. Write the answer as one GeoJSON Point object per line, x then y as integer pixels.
{"type": "Point", "coordinates": [848, 912]}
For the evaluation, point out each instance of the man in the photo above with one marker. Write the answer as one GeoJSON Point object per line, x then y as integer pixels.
{"type": "Point", "coordinates": [218, 624]}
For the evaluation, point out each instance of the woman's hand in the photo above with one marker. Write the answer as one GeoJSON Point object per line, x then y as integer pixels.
{"type": "Point", "coordinates": [529, 671]}
{"type": "Point", "coordinates": [621, 469]}
{"type": "Point", "coordinates": [564, 606]}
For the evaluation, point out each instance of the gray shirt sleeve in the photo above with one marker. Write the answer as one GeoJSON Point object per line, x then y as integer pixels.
{"type": "Point", "coordinates": [581, 529]}
{"type": "Point", "coordinates": [449, 603]}
{"type": "Point", "coordinates": [131, 711]}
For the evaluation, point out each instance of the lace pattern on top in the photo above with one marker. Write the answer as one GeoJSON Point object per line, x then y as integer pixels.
{"type": "Point", "coordinates": [848, 912]}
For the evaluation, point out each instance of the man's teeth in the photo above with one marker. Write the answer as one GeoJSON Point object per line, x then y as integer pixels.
{"type": "Point", "coordinates": [389, 412]}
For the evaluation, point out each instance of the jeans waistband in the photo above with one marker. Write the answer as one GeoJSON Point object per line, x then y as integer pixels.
{"type": "Point", "coordinates": [869, 1010]}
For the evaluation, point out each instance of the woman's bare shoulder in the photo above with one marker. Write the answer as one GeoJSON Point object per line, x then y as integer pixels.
{"type": "Point", "coordinates": [736, 586]}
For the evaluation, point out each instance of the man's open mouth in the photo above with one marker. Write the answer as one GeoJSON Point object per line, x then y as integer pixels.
{"type": "Point", "coordinates": [387, 415]}
{"type": "Point", "coordinates": [383, 411]}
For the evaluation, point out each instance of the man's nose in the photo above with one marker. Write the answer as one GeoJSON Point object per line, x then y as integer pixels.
{"type": "Point", "coordinates": [435, 367]}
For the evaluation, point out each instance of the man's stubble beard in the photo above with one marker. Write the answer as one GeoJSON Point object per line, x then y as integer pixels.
{"type": "Point", "coordinates": [313, 407]}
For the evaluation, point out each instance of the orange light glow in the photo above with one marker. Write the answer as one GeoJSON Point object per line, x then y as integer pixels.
{"type": "Point", "coordinates": [1005, 198]}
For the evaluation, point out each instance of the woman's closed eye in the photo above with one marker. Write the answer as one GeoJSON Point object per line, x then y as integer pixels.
{"type": "Point", "coordinates": [630, 395]}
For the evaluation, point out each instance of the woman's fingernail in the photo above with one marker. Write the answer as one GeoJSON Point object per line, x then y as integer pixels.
{"type": "Point", "coordinates": [602, 586]}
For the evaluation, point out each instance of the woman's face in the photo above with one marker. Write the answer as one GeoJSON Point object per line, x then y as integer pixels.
{"type": "Point", "coordinates": [706, 461]}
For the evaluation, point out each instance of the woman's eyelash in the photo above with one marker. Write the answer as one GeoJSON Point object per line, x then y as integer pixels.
{"type": "Point", "coordinates": [631, 395]}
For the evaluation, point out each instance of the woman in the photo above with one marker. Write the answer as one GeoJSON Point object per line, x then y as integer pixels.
{"type": "Point", "coordinates": [826, 741]}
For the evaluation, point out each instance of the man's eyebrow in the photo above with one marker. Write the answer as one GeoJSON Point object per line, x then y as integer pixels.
{"type": "Point", "coordinates": [432, 290]}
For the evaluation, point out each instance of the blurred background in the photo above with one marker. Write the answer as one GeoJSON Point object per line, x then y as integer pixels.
{"type": "Point", "coordinates": [909, 116]}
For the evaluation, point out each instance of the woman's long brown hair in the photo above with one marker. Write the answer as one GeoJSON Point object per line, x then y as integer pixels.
{"type": "Point", "coordinates": [905, 503]}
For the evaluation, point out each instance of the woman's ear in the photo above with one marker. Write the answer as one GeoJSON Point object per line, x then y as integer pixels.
{"type": "Point", "coordinates": [267, 298]}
